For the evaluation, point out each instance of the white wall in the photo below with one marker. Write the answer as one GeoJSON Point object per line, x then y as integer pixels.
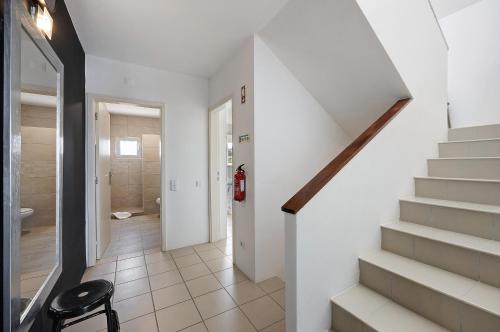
{"type": "Point", "coordinates": [332, 50]}
{"type": "Point", "coordinates": [474, 64]}
{"type": "Point", "coordinates": [444, 8]}
{"type": "Point", "coordinates": [225, 85]}
{"type": "Point", "coordinates": [294, 139]}
{"type": "Point", "coordinates": [186, 100]}
{"type": "Point", "coordinates": [325, 238]}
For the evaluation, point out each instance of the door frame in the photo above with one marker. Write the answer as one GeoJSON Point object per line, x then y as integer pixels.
{"type": "Point", "coordinates": [92, 101]}
{"type": "Point", "coordinates": [212, 225]}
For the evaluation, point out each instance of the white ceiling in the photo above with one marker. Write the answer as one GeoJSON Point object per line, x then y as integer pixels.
{"type": "Point", "coordinates": [187, 36]}
{"type": "Point", "coordinates": [444, 8]}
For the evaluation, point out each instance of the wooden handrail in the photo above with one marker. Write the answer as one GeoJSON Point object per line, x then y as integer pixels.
{"type": "Point", "coordinates": [304, 195]}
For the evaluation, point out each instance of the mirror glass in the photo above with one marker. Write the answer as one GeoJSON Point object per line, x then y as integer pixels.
{"type": "Point", "coordinates": [39, 158]}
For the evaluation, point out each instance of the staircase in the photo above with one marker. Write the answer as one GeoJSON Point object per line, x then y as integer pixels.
{"type": "Point", "coordinates": [439, 266]}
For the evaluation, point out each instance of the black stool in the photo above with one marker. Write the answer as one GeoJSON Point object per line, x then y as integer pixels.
{"type": "Point", "coordinates": [82, 299]}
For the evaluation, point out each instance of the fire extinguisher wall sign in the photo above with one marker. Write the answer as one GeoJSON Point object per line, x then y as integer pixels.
{"type": "Point", "coordinates": [240, 180]}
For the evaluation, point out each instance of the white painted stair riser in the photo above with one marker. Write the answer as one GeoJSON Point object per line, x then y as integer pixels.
{"type": "Point", "coordinates": [484, 224]}
{"type": "Point", "coordinates": [470, 262]}
{"type": "Point", "coordinates": [474, 133]}
{"type": "Point", "coordinates": [470, 149]}
{"type": "Point", "coordinates": [474, 191]}
{"type": "Point", "coordinates": [472, 168]}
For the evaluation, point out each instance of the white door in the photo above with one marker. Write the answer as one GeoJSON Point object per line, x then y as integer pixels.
{"type": "Point", "coordinates": [218, 174]}
{"type": "Point", "coordinates": [103, 186]}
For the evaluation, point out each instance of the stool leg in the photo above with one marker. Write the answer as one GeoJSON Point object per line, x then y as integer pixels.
{"type": "Point", "coordinates": [109, 315]}
{"type": "Point", "coordinates": [57, 325]}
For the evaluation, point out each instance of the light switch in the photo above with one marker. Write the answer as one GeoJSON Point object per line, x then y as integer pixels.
{"type": "Point", "coordinates": [173, 185]}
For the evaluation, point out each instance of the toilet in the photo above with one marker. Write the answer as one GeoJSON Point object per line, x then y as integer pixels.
{"type": "Point", "coordinates": [26, 212]}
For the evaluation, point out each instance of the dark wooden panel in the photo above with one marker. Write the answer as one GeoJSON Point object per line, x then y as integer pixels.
{"type": "Point", "coordinates": [326, 174]}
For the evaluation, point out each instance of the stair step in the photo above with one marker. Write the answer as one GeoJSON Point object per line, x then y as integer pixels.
{"type": "Point", "coordinates": [469, 256]}
{"type": "Point", "coordinates": [458, 189]}
{"type": "Point", "coordinates": [450, 300]}
{"type": "Point", "coordinates": [479, 220]}
{"type": "Point", "coordinates": [471, 148]}
{"type": "Point", "coordinates": [361, 309]}
{"type": "Point", "coordinates": [470, 168]}
{"type": "Point", "coordinates": [474, 133]}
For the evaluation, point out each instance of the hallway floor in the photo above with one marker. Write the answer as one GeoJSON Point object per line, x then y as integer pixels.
{"type": "Point", "coordinates": [189, 289]}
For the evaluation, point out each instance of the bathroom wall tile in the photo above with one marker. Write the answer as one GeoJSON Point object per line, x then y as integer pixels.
{"type": "Point", "coordinates": [152, 180]}
{"type": "Point", "coordinates": [135, 121]}
{"type": "Point", "coordinates": [118, 131]}
{"type": "Point", "coordinates": [38, 152]}
{"type": "Point", "coordinates": [152, 167]}
{"type": "Point", "coordinates": [117, 119]}
{"type": "Point", "coordinates": [151, 154]}
{"type": "Point", "coordinates": [151, 141]}
{"type": "Point", "coordinates": [134, 178]}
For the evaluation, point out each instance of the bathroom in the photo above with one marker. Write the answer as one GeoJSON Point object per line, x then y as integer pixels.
{"type": "Point", "coordinates": [134, 175]}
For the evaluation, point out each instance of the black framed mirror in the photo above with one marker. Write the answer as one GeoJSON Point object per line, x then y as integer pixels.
{"type": "Point", "coordinates": [32, 178]}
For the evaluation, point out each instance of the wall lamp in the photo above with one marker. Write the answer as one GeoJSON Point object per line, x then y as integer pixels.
{"type": "Point", "coordinates": [42, 18]}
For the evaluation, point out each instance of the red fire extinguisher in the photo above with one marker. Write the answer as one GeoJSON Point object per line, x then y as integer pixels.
{"type": "Point", "coordinates": [240, 180]}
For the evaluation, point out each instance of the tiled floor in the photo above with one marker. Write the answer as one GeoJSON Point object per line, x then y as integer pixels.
{"type": "Point", "coordinates": [190, 289]}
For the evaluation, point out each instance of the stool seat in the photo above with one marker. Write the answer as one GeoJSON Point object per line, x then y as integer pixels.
{"type": "Point", "coordinates": [81, 299]}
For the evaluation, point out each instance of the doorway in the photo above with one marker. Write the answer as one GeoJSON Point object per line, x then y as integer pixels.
{"type": "Point", "coordinates": [124, 195]}
{"type": "Point", "coordinates": [221, 171]}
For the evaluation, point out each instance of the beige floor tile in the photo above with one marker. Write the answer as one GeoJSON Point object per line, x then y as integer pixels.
{"type": "Point", "coordinates": [134, 307]}
{"type": "Point", "coordinates": [109, 277]}
{"type": "Point", "coordinates": [161, 267]}
{"type": "Point", "coordinates": [272, 285]}
{"type": "Point", "coordinates": [279, 297]}
{"type": "Point", "coordinates": [130, 263]}
{"type": "Point", "coordinates": [142, 324]}
{"type": "Point", "coordinates": [131, 289]}
{"type": "Point", "coordinates": [152, 251]}
{"type": "Point", "coordinates": [106, 260]}
{"type": "Point", "coordinates": [263, 312]}
{"type": "Point", "coordinates": [182, 252]}
{"type": "Point", "coordinates": [200, 327]}
{"type": "Point", "coordinates": [278, 327]}
{"type": "Point", "coordinates": [131, 255]}
{"type": "Point", "coordinates": [93, 324]}
{"type": "Point", "coordinates": [187, 260]}
{"type": "Point", "coordinates": [169, 296]}
{"type": "Point", "coordinates": [204, 247]}
{"type": "Point", "coordinates": [203, 285]}
{"type": "Point", "coordinates": [157, 257]}
{"type": "Point", "coordinates": [101, 269]}
{"type": "Point", "coordinates": [211, 254]}
{"type": "Point", "coordinates": [166, 279]}
{"type": "Point", "coordinates": [131, 274]}
{"type": "Point", "coordinates": [230, 276]}
{"type": "Point", "coordinates": [244, 292]}
{"type": "Point", "coordinates": [178, 317]}
{"type": "Point", "coordinates": [230, 321]}
{"type": "Point", "coordinates": [194, 271]}
{"type": "Point", "coordinates": [214, 303]}
{"type": "Point", "coordinates": [220, 264]}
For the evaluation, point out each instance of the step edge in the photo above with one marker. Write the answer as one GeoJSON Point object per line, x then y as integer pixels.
{"type": "Point", "coordinates": [472, 248]}
{"type": "Point", "coordinates": [437, 178]}
{"type": "Point", "coordinates": [493, 209]}
{"type": "Point", "coordinates": [470, 140]}
{"type": "Point", "coordinates": [460, 299]}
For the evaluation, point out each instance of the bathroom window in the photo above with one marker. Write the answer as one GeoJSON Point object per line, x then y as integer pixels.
{"type": "Point", "coordinates": [129, 147]}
